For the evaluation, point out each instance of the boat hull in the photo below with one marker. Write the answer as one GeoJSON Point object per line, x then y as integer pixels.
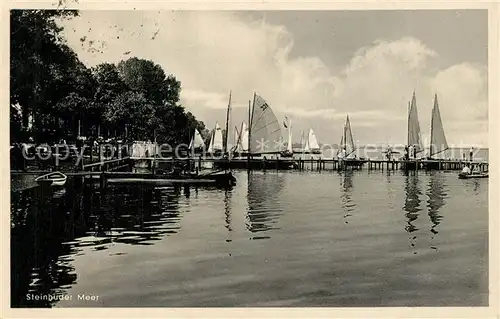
{"type": "Point", "coordinates": [52, 179]}
{"type": "Point", "coordinates": [211, 179]}
{"type": "Point", "coordinates": [467, 176]}
{"type": "Point", "coordinates": [282, 164]}
{"type": "Point", "coordinates": [353, 163]}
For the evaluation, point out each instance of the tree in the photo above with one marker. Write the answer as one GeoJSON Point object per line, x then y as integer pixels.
{"type": "Point", "coordinates": [61, 93]}
{"type": "Point", "coordinates": [40, 64]}
{"type": "Point", "coordinates": [146, 77]}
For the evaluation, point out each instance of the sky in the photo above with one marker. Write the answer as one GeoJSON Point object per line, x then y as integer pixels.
{"type": "Point", "coordinates": [314, 66]}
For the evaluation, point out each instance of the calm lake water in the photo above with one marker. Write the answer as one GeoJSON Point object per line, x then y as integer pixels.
{"type": "Point", "coordinates": [276, 239]}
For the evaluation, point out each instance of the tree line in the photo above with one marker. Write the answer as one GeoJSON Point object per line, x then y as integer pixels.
{"type": "Point", "coordinates": [134, 99]}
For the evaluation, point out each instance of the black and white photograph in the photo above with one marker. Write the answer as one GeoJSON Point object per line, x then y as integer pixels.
{"type": "Point", "coordinates": [250, 158]}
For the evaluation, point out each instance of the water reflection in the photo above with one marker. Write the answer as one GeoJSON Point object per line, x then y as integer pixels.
{"type": "Point", "coordinates": [346, 195]}
{"type": "Point", "coordinates": [38, 230]}
{"type": "Point", "coordinates": [227, 210]}
{"type": "Point", "coordinates": [264, 206]}
{"type": "Point", "coordinates": [412, 204]}
{"type": "Point", "coordinates": [436, 193]}
{"type": "Point", "coordinates": [48, 228]}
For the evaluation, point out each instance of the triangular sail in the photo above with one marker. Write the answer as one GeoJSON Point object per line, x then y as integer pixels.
{"type": "Point", "coordinates": [414, 135]}
{"type": "Point", "coordinates": [265, 129]}
{"type": "Point", "coordinates": [348, 139]}
{"type": "Point", "coordinates": [197, 140]}
{"type": "Point", "coordinates": [312, 142]}
{"type": "Point", "coordinates": [289, 127]}
{"type": "Point", "coordinates": [243, 141]}
{"type": "Point", "coordinates": [341, 145]}
{"type": "Point", "coordinates": [438, 139]}
{"type": "Point", "coordinates": [216, 143]}
{"type": "Point", "coordinates": [236, 138]}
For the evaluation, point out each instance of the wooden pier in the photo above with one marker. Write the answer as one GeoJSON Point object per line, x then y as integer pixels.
{"type": "Point", "coordinates": [319, 164]}
{"type": "Point", "coordinates": [300, 164]}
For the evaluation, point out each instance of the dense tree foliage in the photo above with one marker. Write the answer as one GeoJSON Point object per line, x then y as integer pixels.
{"type": "Point", "coordinates": [134, 99]}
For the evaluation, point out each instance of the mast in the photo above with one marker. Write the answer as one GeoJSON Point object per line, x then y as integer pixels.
{"type": "Point", "coordinates": [345, 135]}
{"type": "Point", "coordinates": [250, 113]}
{"type": "Point", "coordinates": [408, 128]}
{"type": "Point", "coordinates": [302, 142]}
{"type": "Point", "coordinates": [432, 127]}
{"type": "Point", "coordinates": [227, 123]}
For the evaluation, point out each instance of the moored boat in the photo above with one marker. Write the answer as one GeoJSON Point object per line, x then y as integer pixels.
{"type": "Point", "coordinates": [52, 179]}
{"type": "Point", "coordinates": [312, 145]}
{"type": "Point", "coordinates": [261, 141]}
{"type": "Point", "coordinates": [218, 178]}
{"type": "Point", "coordinates": [472, 175]}
{"type": "Point", "coordinates": [346, 153]}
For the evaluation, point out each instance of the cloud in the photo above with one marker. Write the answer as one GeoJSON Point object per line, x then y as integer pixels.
{"type": "Point", "coordinates": [214, 52]}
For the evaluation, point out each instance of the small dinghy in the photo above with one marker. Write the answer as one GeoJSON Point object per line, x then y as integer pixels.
{"type": "Point", "coordinates": [52, 179]}
{"type": "Point", "coordinates": [472, 175]}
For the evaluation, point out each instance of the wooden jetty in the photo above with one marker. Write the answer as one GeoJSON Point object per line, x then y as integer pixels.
{"type": "Point", "coordinates": [325, 164]}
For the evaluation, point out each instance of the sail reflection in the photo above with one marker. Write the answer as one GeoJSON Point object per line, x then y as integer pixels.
{"type": "Point", "coordinates": [412, 204]}
{"type": "Point", "coordinates": [48, 229]}
{"type": "Point", "coordinates": [436, 193]}
{"type": "Point", "coordinates": [346, 195]}
{"type": "Point", "coordinates": [263, 201]}
{"type": "Point", "coordinates": [227, 210]}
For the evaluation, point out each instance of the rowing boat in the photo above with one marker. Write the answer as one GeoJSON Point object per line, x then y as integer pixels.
{"type": "Point", "coordinates": [472, 175]}
{"type": "Point", "coordinates": [52, 179]}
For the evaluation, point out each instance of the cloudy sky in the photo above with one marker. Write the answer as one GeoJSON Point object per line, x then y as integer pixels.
{"type": "Point", "coordinates": [315, 66]}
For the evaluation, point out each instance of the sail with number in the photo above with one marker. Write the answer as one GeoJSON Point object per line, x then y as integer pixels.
{"type": "Point", "coordinates": [216, 142]}
{"type": "Point", "coordinates": [414, 135]}
{"type": "Point", "coordinates": [196, 141]}
{"type": "Point", "coordinates": [265, 129]}
{"type": "Point", "coordinates": [312, 142]}
{"type": "Point", "coordinates": [438, 139]}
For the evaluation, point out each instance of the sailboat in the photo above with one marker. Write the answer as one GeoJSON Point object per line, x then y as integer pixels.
{"type": "Point", "coordinates": [216, 140]}
{"type": "Point", "coordinates": [265, 136]}
{"type": "Point", "coordinates": [312, 145]}
{"type": "Point", "coordinates": [287, 123]}
{"type": "Point", "coordinates": [236, 139]}
{"type": "Point", "coordinates": [197, 142]}
{"type": "Point", "coordinates": [414, 135]}
{"type": "Point", "coordinates": [242, 142]}
{"type": "Point", "coordinates": [347, 148]}
{"type": "Point", "coordinates": [438, 139]}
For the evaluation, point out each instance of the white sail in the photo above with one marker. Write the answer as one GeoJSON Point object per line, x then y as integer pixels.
{"type": "Point", "coordinates": [288, 125]}
{"type": "Point", "coordinates": [243, 138]}
{"type": "Point", "coordinates": [265, 129]}
{"type": "Point", "coordinates": [312, 142]}
{"type": "Point", "coordinates": [438, 139]}
{"type": "Point", "coordinates": [414, 135]}
{"type": "Point", "coordinates": [216, 142]}
{"type": "Point", "coordinates": [348, 139]}
{"type": "Point", "coordinates": [196, 141]}
{"type": "Point", "coordinates": [236, 139]}
{"type": "Point", "coordinates": [341, 145]}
